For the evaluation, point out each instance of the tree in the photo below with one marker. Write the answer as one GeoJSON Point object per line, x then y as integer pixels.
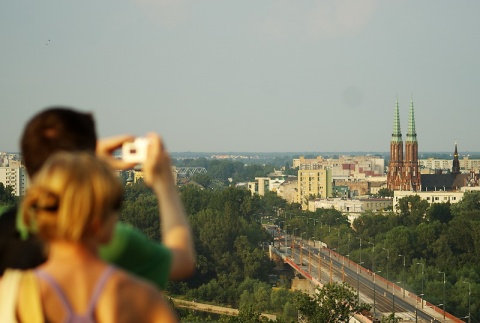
{"type": "Point", "coordinates": [332, 303]}
{"type": "Point", "coordinates": [203, 179]}
{"type": "Point", "coordinates": [390, 319]}
{"type": "Point", "coordinates": [468, 207]}
{"type": "Point", "coordinates": [7, 195]}
{"type": "Point", "coordinates": [439, 212]}
{"type": "Point", "coordinates": [385, 192]}
{"type": "Point", "coordinates": [247, 315]}
{"type": "Point", "coordinates": [412, 210]}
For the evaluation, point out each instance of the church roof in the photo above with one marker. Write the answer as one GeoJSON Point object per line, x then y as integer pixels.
{"type": "Point", "coordinates": [439, 182]}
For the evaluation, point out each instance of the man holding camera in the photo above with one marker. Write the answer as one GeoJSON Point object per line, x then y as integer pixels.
{"type": "Point", "coordinates": [64, 129]}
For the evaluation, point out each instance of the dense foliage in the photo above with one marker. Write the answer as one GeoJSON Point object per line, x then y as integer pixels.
{"type": "Point", "coordinates": [222, 170]}
{"type": "Point", "coordinates": [332, 303]}
{"type": "Point", "coordinates": [7, 196]}
{"type": "Point", "coordinates": [430, 240]}
{"type": "Point", "coordinates": [232, 264]}
{"type": "Point", "coordinates": [232, 267]}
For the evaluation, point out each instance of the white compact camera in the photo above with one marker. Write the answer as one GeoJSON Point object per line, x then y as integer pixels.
{"type": "Point", "coordinates": [136, 151]}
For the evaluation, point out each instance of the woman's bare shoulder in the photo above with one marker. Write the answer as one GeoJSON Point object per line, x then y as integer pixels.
{"type": "Point", "coordinates": [136, 298]}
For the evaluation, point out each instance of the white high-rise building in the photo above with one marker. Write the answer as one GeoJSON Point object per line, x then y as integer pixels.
{"type": "Point", "coordinates": [16, 177]}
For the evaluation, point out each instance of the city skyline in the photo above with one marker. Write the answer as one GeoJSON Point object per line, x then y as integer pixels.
{"type": "Point", "coordinates": [247, 76]}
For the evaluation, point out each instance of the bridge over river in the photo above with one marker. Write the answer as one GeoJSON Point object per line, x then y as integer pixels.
{"type": "Point", "coordinates": [321, 265]}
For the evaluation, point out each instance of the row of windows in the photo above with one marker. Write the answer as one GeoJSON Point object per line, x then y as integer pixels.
{"type": "Point", "coordinates": [445, 198]}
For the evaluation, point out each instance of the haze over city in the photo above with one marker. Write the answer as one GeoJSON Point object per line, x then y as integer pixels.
{"type": "Point", "coordinates": [251, 76]}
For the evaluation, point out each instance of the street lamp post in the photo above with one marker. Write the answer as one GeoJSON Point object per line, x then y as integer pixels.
{"type": "Point", "coordinates": [338, 244]}
{"type": "Point", "coordinates": [416, 308]}
{"type": "Point", "coordinates": [469, 293]}
{"type": "Point", "coordinates": [403, 274]}
{"type": "Point", "coordinates": [293, 243]}
{"type": "Point", "coordinates": [373, 255]}
{"type": "Point", "coordinates": [393, 299]}
{"type": "Point", "coordinates": [279, 232]}
{"type": "Point", "coordinates": [309, 255]}
{"type": "Point", "coordinates": [301, 251]}
{"type": "Point", "coordinates": [360, 247]}
{"type": "Point", "coordinates": [388, 260]}
{"type": "Point", "coordinates": [374, 292]}
{"type": "Point", "coordinates": [423, 268]}
{"type": "Point", "coordinates": [343, 267]}
{"type": "Point", "coordinates": [331, 264]}
{"type": "Point", "coordinates": [444, 292]}
{"type": "Point", "coordinates": [348, 251]}
{"type": "Point", "coordinates": [358, 282]}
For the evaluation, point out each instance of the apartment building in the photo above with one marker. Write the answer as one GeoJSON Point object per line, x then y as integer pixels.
{"type": "Point", "coordinates": [16, 177]}
{"type": "Point", "coordinates": [430, 165]}
{"type": "Point", "coordinates": [260, 186]}
{"type": "Point", "coordinates": [314, 182]}
{"type": "Point", "coordinates": [272, 182]}
{"type": "Point", "coordinates": [344, 166]}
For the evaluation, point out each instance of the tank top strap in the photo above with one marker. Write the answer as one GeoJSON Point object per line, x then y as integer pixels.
{"type": "Point", "coordinates": [88, 315]}
{"type": "Point", "coordinates": [56, 288]}
{"type": "Point", "coordinates": [97, 291]}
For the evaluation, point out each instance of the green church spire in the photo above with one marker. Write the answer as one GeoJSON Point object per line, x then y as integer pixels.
{"type": "Point", "coordinates": [397, 134]}
{"type": "Point", "coordinates": [411, 134]}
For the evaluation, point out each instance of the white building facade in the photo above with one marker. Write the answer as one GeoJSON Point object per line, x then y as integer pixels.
{"type": "Point", "coordinates": [16, 177]}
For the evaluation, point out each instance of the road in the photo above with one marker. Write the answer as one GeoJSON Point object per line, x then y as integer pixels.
{"type": "Point", "coordinates": [385, 297]}
{"type": "Point", "coordinates": [212, 308]}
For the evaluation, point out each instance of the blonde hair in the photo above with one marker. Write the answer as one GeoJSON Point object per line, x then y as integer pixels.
{"type": "Point", "coordinates": [71, 197]}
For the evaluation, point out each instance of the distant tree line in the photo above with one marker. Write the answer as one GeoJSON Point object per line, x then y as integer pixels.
{"type": "Point", "coordinates": [219, 171]}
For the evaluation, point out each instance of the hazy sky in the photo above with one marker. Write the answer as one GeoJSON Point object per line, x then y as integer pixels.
{"type": "Point", "coordinates": [249, 75]}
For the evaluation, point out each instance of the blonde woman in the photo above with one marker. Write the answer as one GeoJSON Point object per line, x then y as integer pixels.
{"type": "Point", "coordinates": [73, 204]}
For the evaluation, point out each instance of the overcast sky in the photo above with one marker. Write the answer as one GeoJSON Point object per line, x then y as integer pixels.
{"type": "Point", "coordinates": [249, 75]}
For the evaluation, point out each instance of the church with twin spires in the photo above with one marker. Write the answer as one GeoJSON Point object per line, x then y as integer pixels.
{"type": "Point", "coordinates": [403, 168]}
{"type": "Point", "coordinates": [403, 171]}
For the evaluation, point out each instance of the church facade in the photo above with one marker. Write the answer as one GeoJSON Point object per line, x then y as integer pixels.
{"type": "Point", "coordinates": [403, 170]}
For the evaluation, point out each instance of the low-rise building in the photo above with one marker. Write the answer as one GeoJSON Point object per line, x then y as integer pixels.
{"type": "Point", "coordinates": [352, 205]}
{"type": "Point", "coordinates": [288, 190]}
{"type": "Point", "coordinates": [272, 182]}
{"type": "Point", "coordinates": [431, 197]}
{"type": "Point", "coordinates": [356, 187]}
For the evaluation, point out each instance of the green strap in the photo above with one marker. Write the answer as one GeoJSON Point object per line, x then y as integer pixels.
{"type": "Point", "coordinates": [3, 209]}
{"type": "Point", "coordinates": [21, 227]}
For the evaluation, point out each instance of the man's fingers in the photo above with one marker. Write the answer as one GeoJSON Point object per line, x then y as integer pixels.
{"type": "Point", "coordinates": [108, 145]}
{"type": "Point", "coordinates": [119, 164]}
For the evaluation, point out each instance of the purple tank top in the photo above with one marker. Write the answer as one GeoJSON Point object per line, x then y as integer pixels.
{"type": "Point", "coordinates": [72, 317]}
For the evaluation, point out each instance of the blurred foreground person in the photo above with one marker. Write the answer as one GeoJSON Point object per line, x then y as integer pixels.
{"type": "Point", "coordinates": [63, 129]}
{"type": "Point", "coordinates": [72, 205]}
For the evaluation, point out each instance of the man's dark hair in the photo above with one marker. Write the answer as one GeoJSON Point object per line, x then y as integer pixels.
{"type": "Point", "coordinates": [15, 252]}
{"type": "Point", "coordinates": [56, 129]}
{"type": "Point", "coordinates": [53, 129]}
